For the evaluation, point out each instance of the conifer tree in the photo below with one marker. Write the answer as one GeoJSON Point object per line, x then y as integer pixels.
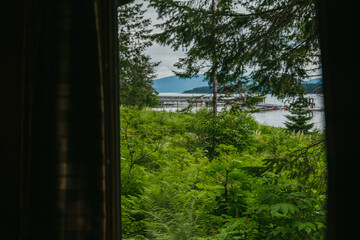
{"type": "Point", "coordinates": [275, 42]}
{"type": "Point", "coordinates": [136, 68]}
{"type": "Point", "coordinates": [196, 27]}
{"type": "Point", "coordinates": [300, 116]}
{"type": "Point", "coordinates": [282, 44]}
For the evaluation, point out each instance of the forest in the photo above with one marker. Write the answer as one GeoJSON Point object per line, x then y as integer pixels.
{"type": "Point", "coordinates": [193, 176]}
{"type": "Point", "coordinates": [215, 174]}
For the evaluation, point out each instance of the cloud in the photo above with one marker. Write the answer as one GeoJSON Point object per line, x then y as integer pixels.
{"type": "Point", "coordinates": [163, 54]}
{"type": "Point", "coordinates": [167, 56]}
{"type": "Point", "coordinates": [163, 72]}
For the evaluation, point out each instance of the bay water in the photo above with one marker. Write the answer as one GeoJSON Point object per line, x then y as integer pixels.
{"type": "Point", "coordinates": [276, 118]}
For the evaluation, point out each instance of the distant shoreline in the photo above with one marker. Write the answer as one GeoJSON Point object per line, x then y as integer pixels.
{"type": "Point", "coordinates": [199, 84]}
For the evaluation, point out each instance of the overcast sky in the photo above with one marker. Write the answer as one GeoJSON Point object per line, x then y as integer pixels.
{"type": "Point", "coordinates": [167, 57]}
{"type": "Point", "coordinates": [161, 53]}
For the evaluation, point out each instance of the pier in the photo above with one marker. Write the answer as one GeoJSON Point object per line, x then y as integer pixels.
{"type": "Point", "coordinates": [180, 100]}
{"type": "Point", "coordinates": [173, 98]}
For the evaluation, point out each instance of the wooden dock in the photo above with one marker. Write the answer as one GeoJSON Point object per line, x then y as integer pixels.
{"type": "Point", "coordinates": [181, 99]}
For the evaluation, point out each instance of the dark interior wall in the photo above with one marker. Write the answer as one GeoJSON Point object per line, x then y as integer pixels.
{"type": "Point", "coordinates": [11, 20]}
{"type": "Point", "coordinates": [52, 178]}
{"type": "Point", "coordinates": [109, 67]}
{"type": "Point", "coordinates": [39, 79]}
{"type": "Point", "coordinates": [63, 157]}
{"type": "Point", "coordinates": [340, 53]}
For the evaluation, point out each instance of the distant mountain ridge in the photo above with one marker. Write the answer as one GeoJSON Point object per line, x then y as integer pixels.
{"type": "Point", "coordinates": [175, 84]}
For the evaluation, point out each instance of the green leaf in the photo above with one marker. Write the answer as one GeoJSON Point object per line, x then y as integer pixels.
{"type": "Point", "coordinates": [306, 226]}
{"type": "Point", "coordinates": [284, 207]}
{"type": "Point", "coordinates": [320, 225]}
{"type": "Point", "coordinates": [292, 208]}
{"type": "Point", "coordinates": [301, 226]}
{"type": "Point", "coordinates": [274, 209]}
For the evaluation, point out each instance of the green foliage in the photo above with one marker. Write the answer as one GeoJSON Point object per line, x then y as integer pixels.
{"type": "Point", "coordinates": [132, 217]}
{"type": "Point", "coordinates": [136, 69]}
{"type": "Point", "coordinates": [260, 183]}
{"type": "Point", "coordinates": [275, 40]}
{"type": "Point", "coordinates": [235, 128]}
{"type": "Point", "coordinates": [173, 210]}
{"type": "Point", "coordinates": [282, 206]}
{"type": "Point", "coordinates": [300, 115]}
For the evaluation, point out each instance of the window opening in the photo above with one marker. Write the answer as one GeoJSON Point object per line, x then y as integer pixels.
{"type": "Point", "coordinates": [224, 138]}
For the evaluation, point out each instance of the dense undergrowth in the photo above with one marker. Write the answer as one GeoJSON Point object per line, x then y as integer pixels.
{"type": "Point", "coordinates": [193, 176]}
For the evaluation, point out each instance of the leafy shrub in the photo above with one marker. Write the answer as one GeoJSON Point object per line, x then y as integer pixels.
{"type": "Point", "coordinates": [233, 128]}
{"type": "Point", "coordinates": [193, 176]}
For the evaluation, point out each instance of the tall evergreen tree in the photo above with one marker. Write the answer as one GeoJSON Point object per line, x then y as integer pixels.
{"type": "Point", "coordinates": [280, 44]}
{"type": "Point", "coordinates": [300, 116]}
{"type": "Point", "coordinates": [197, 27]}
{"type": "Point", "coordinates": [274, 41]}
{"type": "Point", "coordinates": [136, 68]}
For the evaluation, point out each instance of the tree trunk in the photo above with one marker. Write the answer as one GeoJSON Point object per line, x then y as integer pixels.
{"type": "Point", "coordinates": [214, 92]}
{"type": "Point", "coordinates": [213, 75]}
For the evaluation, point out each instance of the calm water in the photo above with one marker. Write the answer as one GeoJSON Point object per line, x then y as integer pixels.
{"type": "Point", "coordinates": [277, 118]}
